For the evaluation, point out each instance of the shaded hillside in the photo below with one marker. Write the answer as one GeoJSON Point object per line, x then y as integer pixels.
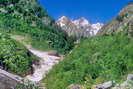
{"type": "Point", "coordinates": [28, 17]}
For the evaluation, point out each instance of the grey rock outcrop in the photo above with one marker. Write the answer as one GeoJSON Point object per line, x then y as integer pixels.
{"type": "Point", "coordinates": [8, 80]}
{"type": "Point", "coordinates": [106, 85]}
{"type": "Point", "coordinates": [128, 84]}
{"type": "Point", "coordinates": [130, 77]}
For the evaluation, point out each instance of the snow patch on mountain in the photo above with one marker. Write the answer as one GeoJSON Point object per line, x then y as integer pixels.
{"type": "Point", "coordinates": [82, 21]}
{"type": "Point", "coordinates": [96, 27]}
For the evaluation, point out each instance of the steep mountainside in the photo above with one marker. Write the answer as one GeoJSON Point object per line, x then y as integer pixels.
{"type": "Point", "coordinates": [95, 61]}
{"type": "Point", "coordinates": [80, 28]}
{"type": "Point", "coordinates": [29, 18]}
{"type": "Point", "coordinates": [106, 57]}
{"type": "Point", "coordinates": [122, 21]}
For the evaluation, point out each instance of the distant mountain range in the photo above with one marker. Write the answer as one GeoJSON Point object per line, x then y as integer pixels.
{"type": "Point", "coordinates": [80, 27]}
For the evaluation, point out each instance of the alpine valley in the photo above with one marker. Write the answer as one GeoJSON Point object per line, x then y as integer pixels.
{"type": "Point", "coordinates": [39, 52]}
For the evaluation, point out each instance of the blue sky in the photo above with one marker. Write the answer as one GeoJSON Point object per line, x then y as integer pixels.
{"type": "Point", "coordinates": [94, 10]}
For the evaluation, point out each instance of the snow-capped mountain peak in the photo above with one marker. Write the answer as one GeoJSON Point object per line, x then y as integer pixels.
{"type": "Point", "coordinates": [80, 27]}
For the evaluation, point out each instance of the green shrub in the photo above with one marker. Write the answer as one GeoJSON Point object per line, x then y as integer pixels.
{"type": "Point", "coordinates": [27, 85]}
{"type": "Point", "coordinates": [14, 57]}
{"type": "Point", "coordinates": [120, 18]}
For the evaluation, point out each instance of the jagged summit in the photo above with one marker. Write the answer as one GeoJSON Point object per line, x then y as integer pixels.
{"type": "Point", "coordinates": [63, 21]}
{"type": "Point", "coordinates": [63, 17]}
{"type": "Point", "coordinates": [79, 27]}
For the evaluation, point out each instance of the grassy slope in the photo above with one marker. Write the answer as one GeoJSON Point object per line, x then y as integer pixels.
{"type": "Point", "coordinates": [95, 59]}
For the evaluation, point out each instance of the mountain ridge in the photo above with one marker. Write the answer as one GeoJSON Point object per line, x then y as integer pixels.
{"type": "Point", "coordinates": [120, 23]}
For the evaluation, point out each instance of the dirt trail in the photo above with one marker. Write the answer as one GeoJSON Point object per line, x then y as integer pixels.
{"type": "Point", "coordinates": [46, 61]}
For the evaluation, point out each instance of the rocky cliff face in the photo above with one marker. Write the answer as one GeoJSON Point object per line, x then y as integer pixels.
{"type": "Point", "coordinates": [123, 22]}
{"type": "Point", "coordinates": [79, 28]}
